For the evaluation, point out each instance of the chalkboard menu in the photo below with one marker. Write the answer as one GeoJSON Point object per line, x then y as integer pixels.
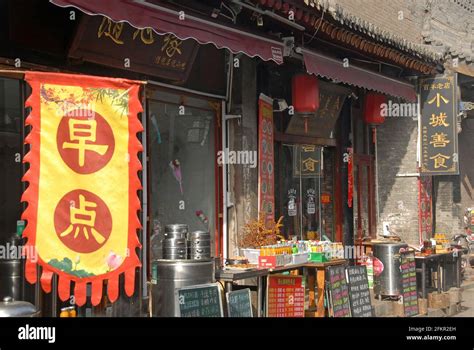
{"type": "Point", "coordinates": [409, 289]}
{"type": "Point", "coordinates": [202, 300]}
{"type": "Point", "coordinates": [239, 303]}
{"type": "Point", "coordinates": [359, 294]}
{"type": "Point", "coordinates": [285, 296]}
{"type": "Point", "coordinates": [338, 292]}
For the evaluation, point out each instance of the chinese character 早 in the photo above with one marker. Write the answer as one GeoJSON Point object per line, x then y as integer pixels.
{"type": "Point", "coordinates": [82, 134]}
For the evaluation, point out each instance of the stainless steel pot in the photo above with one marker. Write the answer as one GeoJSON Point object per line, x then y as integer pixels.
{"type": "Point", "coordinates": [11, 308]}
{"type": "Point", "coordinates": [176, 228]}
{"type": "Point", "coordinates": [389, 281]}
{"type": "Point", "coordinates": [170, 275]}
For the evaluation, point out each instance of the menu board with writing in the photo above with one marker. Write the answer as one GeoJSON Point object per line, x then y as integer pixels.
{"type": "Point", "coordinates": [239, 303]}
{"type": "Point", "coordinates": [409, 289]}
{"type": "Point", "coordinates": [285, 296]}
{"type": "Point", "coordinates": [338, 292]}
{"type": "Point", "coordinates": [202, 300]}
{"type": "Point", "coordinates": [359, 294]}
{"type": "Point", "coordinates": [439, 134]}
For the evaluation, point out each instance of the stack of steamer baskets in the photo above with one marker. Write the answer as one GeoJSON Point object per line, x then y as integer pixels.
{"type": "Point", "coordinates": [199, 245]}
{"type": "Point", "coordinates": [174, 243]}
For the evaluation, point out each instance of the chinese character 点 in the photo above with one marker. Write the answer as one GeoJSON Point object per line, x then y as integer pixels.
{"type": "Point", "coordinates": [80, 133]}
{"type": "Point", "coordinates": [83, 217]}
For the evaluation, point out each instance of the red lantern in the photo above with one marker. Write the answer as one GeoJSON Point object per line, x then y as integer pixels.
{"type": "Point", "coordinates": [305, 93]}
{"type": "Point", "coordinates": [305, 96]}
{"type": "Point", "coordinates": [373, 108]}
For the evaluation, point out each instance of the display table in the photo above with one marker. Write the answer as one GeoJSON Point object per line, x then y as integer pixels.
{"type": "Point", "coordinates": [230, 276]}
{"type": "Point", "coordinates": [441, 261]}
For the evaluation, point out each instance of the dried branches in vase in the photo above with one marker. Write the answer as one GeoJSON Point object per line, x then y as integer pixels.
{"type": "Point", "coordinates": [257, 233]}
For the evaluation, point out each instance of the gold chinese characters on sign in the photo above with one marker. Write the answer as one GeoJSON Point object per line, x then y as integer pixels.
{"type": "Point", "coordinates": [438, 126]}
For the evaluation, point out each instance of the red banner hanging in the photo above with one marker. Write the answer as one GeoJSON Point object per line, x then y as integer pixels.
{"type": "Point", "coordinates": [83, 182]}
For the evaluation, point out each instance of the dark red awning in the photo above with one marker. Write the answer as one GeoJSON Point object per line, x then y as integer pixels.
{"type": "Point", "coordinates": [145, 14]}
{"type": "Point", "coordinates": [333, 69]}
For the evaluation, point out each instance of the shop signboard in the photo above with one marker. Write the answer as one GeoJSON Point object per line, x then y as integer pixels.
{"type": "Point", "coordinates": [338, 292]}
{"type": "Point", "coordinates": [83, 181]}
{"type": "Point", "coordinates": [117, 44]}
{"type": "Point", "coordinates": [306, 161]}
{"type": "Point", "coordinates": [266, 166]}
{"type": "Point", "coordinates": [239, 303]}
{"type": "Point", "coordinates": [438, 125]}
{"type": "Point", "coordinates": [409, 287]}
{"type": "Point", "coordinates": [359, 293]}
{"type": "Point", "coordinates": [285, 296]}
{"type": "Point", "coordinates": [203, 300]}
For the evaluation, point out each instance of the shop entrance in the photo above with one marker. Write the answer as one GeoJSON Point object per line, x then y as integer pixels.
{"type": "Point", "coordinates": [299, 190]}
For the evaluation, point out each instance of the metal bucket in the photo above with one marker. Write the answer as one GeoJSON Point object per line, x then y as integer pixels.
{"type": "Point", "coordinates": [199, 235]}
{"type": "Point", "coordinates": [11, 280]}
{"type": "Point", "coordinates": [388, 281]}
{"type": "Point", "coordinates": [170, 275]}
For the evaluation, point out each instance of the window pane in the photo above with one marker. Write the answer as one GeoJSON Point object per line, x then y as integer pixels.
{"type": "Point", "coordinates": [10, 157]}
{"type": "Point", "coordinates": [182, 157]}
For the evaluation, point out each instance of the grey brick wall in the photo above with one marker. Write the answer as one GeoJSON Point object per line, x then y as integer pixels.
{"type": "Point", "coordinates": [397, 187]}
{"type": "Point", "coordinates": [384, 14]}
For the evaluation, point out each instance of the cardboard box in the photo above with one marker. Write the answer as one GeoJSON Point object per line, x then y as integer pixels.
{"type": "Point", "coordinates": [438, 300]}
{"type": "Point", "coordinates": [422, 306]}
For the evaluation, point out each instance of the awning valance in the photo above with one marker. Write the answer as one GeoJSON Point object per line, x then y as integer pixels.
{"type": "Point", "coordinates": [334, 69]}
{"type": "Point", "coordinates": [145, 14]}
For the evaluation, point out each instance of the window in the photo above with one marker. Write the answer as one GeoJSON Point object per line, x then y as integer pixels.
{"type": "Point", "coordinates": [182, 155]}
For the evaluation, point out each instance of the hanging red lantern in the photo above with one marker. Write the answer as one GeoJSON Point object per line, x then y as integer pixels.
{"type": "Point", "coordinates": [373, 107]}
{"type": "Point", "coordinates": [305, 96]}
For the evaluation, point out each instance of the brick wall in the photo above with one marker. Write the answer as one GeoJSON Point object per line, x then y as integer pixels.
{"type": "Point", "coordinates": [397, 185]}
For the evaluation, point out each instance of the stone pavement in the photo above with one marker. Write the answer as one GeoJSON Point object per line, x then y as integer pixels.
{"type": "Point", "coordinates": [467, 295]}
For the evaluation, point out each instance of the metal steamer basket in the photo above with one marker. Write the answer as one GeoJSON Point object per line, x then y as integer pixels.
{"type": "Point", "coordinates": [199, 245]}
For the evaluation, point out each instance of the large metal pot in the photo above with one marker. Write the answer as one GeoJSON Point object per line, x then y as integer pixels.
{"type": "Point", "coordinates": [387, 275]}
{"type": "Point", "coordinates": [10, 279]}
{"type": "Point", "coordinates": [170, 275]}
{"type": "Point", "coordinates": [11, 308]}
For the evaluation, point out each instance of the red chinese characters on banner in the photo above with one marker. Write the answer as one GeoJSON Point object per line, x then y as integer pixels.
{"type": "Point", "coordinates": [266, 176]}
{"type": "Point", "coordinates": [350, 177]}
{"type": "Point", "coordinates": [85, 144]}
{"type": "Point", "coordinates": [285, 296]}
{"type": "Point", "coordinates": [82, 212]}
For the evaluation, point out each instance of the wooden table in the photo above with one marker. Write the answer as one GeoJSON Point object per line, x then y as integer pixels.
{"type": "Point", "coordinates": [440, 261]}
{"type": "Point", "coordinates": [320, 276]}
{"type": "Point", "coordinates": [230, 276]}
